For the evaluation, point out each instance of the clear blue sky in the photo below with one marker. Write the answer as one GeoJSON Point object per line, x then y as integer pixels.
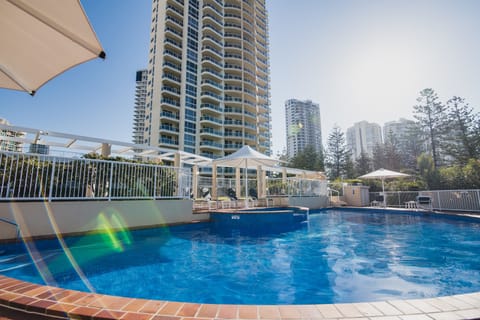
{"type": "Point", "coordinates": [359, 59]}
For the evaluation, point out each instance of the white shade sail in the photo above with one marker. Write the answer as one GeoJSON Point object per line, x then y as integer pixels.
{"type": "Point", "coordinates": [246, 157]}
{"type": "Point", "coordinates": [41, 39]}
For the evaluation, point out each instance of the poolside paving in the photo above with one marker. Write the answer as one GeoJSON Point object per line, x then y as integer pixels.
{"type": "Point", "coordinates": [24, 300]}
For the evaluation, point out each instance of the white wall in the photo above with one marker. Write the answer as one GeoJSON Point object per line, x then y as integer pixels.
{"type": "Point", "coordinates": [309, 202]}
{"type": "Point", "coordinates": [48, 218]}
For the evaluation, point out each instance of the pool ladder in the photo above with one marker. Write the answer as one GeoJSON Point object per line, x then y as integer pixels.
{"type": "Point", "coordinates": [13, 224]}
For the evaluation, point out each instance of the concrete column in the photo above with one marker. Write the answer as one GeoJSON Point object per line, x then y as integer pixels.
{"type": "Point", "coordinates": [259, 181]}
{"type": "Point", "coordinates": [284, 180]}
{"type": "Point", "coordinates": [195, 181]}
{"type": "Point", "coordinates": [106, 149]}
{"type": "Point", "coordinates": [214, 181]}
{"type": "Point", "coordinates": [264, 184]}
{"type": "Point", "coordinates": [238, 186]}
{"type": "Point", "coordinates": [177, 164]}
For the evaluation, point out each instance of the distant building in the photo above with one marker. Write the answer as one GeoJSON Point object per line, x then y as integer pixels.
{"type": "Point", "coordinates": [398, 129]}
{"type": "Point", "coordinates": [139, 109]}
{"type": "Point", "coordinates": [303, 126]}
{"type": "Point", "coordinates": [39, 148]}
{"type": "Point", "coordinates": [363, 137]}
{"type": "Point", "coordinates": [7, 138]}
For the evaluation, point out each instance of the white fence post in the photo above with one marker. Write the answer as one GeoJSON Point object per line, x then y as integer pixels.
{"type": "Point", "coordinates": [51, 181]}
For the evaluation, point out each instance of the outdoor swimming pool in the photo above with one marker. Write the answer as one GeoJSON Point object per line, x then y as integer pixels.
{"type": "Point", "coordinates": [335, 256]}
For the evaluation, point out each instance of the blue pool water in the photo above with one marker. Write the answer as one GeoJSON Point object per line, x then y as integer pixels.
{"type": "Point", "coordinates": [335, 257]}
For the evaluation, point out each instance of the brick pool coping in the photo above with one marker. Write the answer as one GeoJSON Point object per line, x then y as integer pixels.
{"type": "Point", "coordinates": [26, 298]}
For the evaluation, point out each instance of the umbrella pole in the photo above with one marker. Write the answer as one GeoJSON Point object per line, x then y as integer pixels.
{"type": "Point", "coordinates": [383, 191]}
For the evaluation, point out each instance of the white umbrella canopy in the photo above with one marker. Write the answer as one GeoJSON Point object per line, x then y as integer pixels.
{"type": "Point", "coordinates": [383, 174]}
{"type": "Point", "coordinates": [246, 157]}
{"type": "Point", "coordinates": [41, 39]}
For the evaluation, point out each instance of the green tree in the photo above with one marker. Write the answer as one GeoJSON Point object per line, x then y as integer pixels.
{"type": "Point", "coordinates": [363, 164]}
{"type": "Point", "coordinates": [308, 159]}
{"type": "Point", "coordinates": [461, 140]}
{"type": "Point", "coordinates": [378, 156]}
{"type": "Point", "coordinates": [430, 115]}
{"type": "Point", "coordinates": [428, 172]}
{"type": "Point", "coordinates": [392, 153]}
{"type": "Point", "coordinates": [337, 154]}
{"type": "Point", "coordinates": [413, 146]}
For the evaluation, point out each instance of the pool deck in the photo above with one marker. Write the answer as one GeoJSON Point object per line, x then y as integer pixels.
{"type": "Point", "coordinates": [24, 300]}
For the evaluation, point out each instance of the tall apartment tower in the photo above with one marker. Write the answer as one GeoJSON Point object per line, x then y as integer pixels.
{"type": "Point", "coordinates": [399, 129]}
{"type": "Point", "coordinates": [363, 137]}
{"type": "Point", "coordinates": [208, 77]}
{"type": "Point", "coordinates": [139, 109]}
{"type": "Point", "coordinates": [303, 126]}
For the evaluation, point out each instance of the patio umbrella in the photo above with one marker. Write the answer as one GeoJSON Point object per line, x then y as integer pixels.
{"type": "Point", "coordinates": [246, 157]}
{"type": "Point", "coordinates": [383, 174]}
{"type": "Point", "coordinates": [41, 39]}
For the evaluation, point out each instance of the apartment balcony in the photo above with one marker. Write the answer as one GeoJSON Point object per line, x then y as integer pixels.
{"type": "Point", "coordinates": [171, 90]}
{"type": "Point", "coordinates": [233, 88]}
{"type": "Point", "coordinates": [211, 85]}
{"type": "Point", "coordinates": [208, 8]}
{"type": "Point", "coordinates": [234, 100]}
{"type": "Point", "coordinates": [208, 144]}
{"type": "Point", "coordinates": [212, 108]}
{"type": "Point", "coordinates": [212, 18]}
{"type": "Point", "coordinates": [169, 129]}
{"type": "Point", "coordinates": [209, 39]}
{"type": "Point", "coordinates": [169, 141]}
{"type": "Point", "coordinates": [212, 72]}
{"type": "Point", "coordinates": [233, 123]}
{"type": "Point", "coordinates": [170, 102]}
{"type": "Point", "coordinates": [232, 26]}
{"type": "Point", "coordinates": [175, 11]}
{"type": "Point", "coordinates": [169, 115]}
{"type": "Point", "coordinates": [210, 155]}
{"type": "Point", "coordinates": [234, 146]}
{"type": "Point", "coordinates": [172, 43]}
{"type": "Point", "coordinates": [236, 57]}
{"type": "Point", "coordinates": [233, 36]}
{"type": "Point", "coordinates": [178, 3]}
{"type": "Point", "coordinates": [233, 78]}
{"type": "Point", "coordinates": [213, 51]}
{"type": "Point", "coordinates": [212, 96]}
{"type": "Point", "coordinates": [210, 132]}
{"type": "Point", "coordinates": [232, 17]}
{"type": "Point", "coordinates": [167, 65]}
{"type": "Point", "coordinates": [209, 28]}
{"type": "Point", "coordinates": [206, 119]}
{"type": "Point", "coordinates": [174, 21]}
{"type": "Point", "coordinates": [234, 135]}
{"type": "Point", "coordinates": [250, 126]}
{"type": "Point", "coordinates": [174, 32]}
{"type": "Point", "coordinates": [209, 61]}
{"type": "Point", "coordinates": [170, 77]}
{"type": "Point", "coordinates": [229, 6]}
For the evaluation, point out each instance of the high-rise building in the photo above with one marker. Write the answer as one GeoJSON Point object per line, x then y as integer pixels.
{"type": "Point", "coordinates": [398, 129]}
{"type": "Point", "coordinates": [363, 137]}
{"type": "Point", "coordinates": [208, 77]}
{"type": "Point", "coordinates": [139, 109]}
{"type": "Point", "coordinates": [303, 126]}
{"type": "Point", "coordinates": [7, 138]}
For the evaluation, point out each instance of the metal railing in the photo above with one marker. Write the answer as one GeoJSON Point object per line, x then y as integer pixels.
{"type": "Point", "coordinates": [442, 200]}
{"type": "Point", "coordinates": [41, 177]}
